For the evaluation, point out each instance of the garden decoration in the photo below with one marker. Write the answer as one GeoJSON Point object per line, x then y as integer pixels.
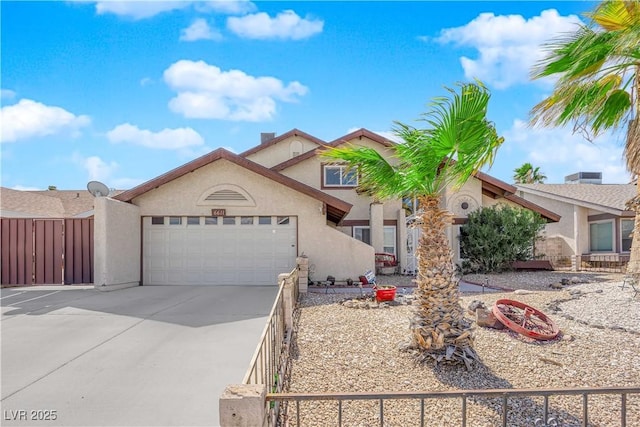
{"type": "Point", "coordinates": [525, 320]}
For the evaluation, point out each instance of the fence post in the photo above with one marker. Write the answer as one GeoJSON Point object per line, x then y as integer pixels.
{"type": "Point", "coordinates": [575, 263]}
{"type": "Point", "coordinates": [243, 405]}
{"type": "Point", "coordinates": [303, 273]}
{"type": "Point", "coordinates": [287, 299]}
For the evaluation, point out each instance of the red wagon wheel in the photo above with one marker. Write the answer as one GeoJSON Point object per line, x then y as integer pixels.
{"type": "Point", "coordinates": [525, 320]}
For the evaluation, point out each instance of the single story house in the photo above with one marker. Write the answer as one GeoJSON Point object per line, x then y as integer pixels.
{"type": "Point", "coordinates": [595, 221]}
{"type": "Point", "coordinates": [226, 219]}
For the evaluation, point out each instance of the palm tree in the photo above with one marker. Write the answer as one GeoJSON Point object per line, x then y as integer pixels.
{"type": "Point", "coordinates": [527, 174]}
{"type": "Point", "coordinates": [459, 141]}
{"type": "Point", "coordinates": [598, 86]}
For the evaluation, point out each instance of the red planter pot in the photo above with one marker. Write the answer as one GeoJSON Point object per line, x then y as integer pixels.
{"type": "Point", "coordinates": [388, 293]}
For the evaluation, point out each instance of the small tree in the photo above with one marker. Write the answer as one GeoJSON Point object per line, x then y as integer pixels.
{"type": "Point", "coordinates": [494, 237]}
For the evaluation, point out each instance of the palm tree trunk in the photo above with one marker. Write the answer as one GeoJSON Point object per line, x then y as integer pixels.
{"type": "Point", "coordinates": [439, 329]}
{"type": "Point", "coordinates": [632, 155]}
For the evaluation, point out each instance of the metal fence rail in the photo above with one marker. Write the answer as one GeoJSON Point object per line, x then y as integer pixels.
{"type": "Point", "coordinates": [464, 395]}
{"type": "Point", "coordinates": [270, 362]}
{"type": "Point", "coordinates": [607, 263]}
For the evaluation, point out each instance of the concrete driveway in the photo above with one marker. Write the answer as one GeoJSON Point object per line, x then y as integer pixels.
{"type": "Point", "coordinates": [143, 356]}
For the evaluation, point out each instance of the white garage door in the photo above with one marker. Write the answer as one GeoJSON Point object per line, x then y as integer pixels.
{"type": "Point", "coordinates": [247, 250]}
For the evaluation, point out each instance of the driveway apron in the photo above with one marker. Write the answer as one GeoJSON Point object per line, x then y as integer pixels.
{"type": "Point", "coordinates": [143, 356]}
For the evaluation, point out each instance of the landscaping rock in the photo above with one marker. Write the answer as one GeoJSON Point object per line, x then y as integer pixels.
{"type": "Point", "coordinates": [487, 319]}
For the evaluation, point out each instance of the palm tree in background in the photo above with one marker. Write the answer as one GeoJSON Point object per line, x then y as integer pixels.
{"type": "Point", "coordinates": [527, 174]}
{"type": "Point", "coordinates": [459, 141]}
{"type": "Point", "coordinates": [598, 71]}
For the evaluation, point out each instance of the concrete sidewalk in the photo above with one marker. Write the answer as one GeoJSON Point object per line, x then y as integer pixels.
{"type": "Point", "coordinates": [143, 356]}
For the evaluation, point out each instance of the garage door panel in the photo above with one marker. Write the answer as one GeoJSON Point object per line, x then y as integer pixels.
{"type": "Point", "coordinates": [218, 254]}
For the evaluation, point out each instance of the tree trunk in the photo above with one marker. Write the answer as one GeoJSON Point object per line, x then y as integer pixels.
{"type": "Point", "coordinates": [633, 146]}
{"type": "Point", "coordinates": [439, 329]}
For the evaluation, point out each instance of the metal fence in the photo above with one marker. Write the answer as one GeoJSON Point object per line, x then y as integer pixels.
{"type": "Point", "coordinates": [271, 360]}
{"type": "Point", "coordinates": [545, 417]}
{"type": "Point", "coordinates": [606, 263]}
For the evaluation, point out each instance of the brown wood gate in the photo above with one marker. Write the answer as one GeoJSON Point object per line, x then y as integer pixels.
{"type": "Point", "coordinates": [39, 251]}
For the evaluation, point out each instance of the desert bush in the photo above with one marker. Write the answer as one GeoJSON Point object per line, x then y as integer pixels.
{"type": "Point", "coordinates": [494, 237]}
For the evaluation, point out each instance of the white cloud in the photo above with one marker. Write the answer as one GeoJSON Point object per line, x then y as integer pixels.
{"type": "Point", "coordinates": [142, 9]}
{"type": "Point", "coordinates": [28, 119]}
{"type": "Point", "coordinates": [508, 45]}
{"type": "Point", "coordinates": [286, 25]}
{"type": "Point", "coordinates": [7, 94]}
{"type": "Point", "coordinates": [228, 7]}
{"type": "Point", "coordinates": [207, 92]}
{"type": "Point", "coordinates": [96, 168]}
{"type": "Point", "coordinates": [139, 9]}
{"type": "Point", "coordinates": [559, 152]}
{"type": "Point", "coordinates": [199, 30]}
{"type": "Point", "coordinates": [25, 188]}
{"type": "Point", "coordinates": [166, 139]}
{"type": "Point", "coordinates": [146, 81]}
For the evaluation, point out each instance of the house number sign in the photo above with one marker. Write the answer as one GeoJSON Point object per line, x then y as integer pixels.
{"type": "Point", "coordinates": [218, 212]}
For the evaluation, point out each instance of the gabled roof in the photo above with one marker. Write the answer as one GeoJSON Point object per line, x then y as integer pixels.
{"type": "Point", "coordinates": [493, 187]}
{"type": "Point", "coordinates": [44, 204]}
{"type": "Point", "coordinates": [609, 198]}
{"type": "Point", "coordinates": [342, 140]}
{"type": "Point", "coordinates": [275, 140]}
{"type": "Point", "coordinates": [336, 208]}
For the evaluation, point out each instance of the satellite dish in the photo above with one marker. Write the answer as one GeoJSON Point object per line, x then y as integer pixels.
{"type": "Point", "coordinates": [97, 189]}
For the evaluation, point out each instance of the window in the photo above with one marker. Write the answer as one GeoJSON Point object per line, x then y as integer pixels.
{"type": "Point", "coordinates": [264, 220]}
{"type": "Point", "coordinates": [175, 220]}
{"type": "Point", "coordinates": [193, 220]}
{"type": "Point", "coordinates": [601, 236]}
{"type": "Point", "coordinates": [210, 220]}
{"type": "Point", "coordinates": [389, 244]}
{"type": "Point", "coordinates": [338, 176]}
{"type": "Point", "coordinates": [362, 233]}
{"type": "Point", "coordinates": [157, 220]}
{"type": "Point", "coordinates": [626, 229]}
{"type": "Point", "coordinates": [246, 220]}
{"type": "Point", "coordinates": [229, 220]}
{"type": "Point", "coordinates": [283, 220]}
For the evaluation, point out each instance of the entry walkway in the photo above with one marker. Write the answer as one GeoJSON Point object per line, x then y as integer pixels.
{"type": "Point", "coordinates": [143, 356]}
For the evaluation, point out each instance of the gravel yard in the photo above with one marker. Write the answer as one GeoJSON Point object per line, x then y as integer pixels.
{"type": "Point", "coordinates": [342, 349]}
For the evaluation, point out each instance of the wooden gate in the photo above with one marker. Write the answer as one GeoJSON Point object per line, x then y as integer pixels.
{"type": "Point", "coordinates": [47, 251]}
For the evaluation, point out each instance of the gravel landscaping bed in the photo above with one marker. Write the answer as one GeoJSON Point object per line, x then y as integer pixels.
{"type": "Point", "coordinates": [341, 349]}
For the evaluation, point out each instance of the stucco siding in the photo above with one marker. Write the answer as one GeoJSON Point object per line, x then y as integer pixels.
{"type": "Point", "coordinates": [564, 229]}
{"type": "Point", "coordinates": [116, 244]}
{"type": "Point", "coordinates": [282, 151]}
{"type": "Point", "coordinates": [328, 249]}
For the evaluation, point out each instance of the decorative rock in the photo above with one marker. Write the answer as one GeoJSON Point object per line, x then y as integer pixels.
{"type": "Point", "coordinates": [557, 285]}
{"type": "Point", "coordinates": [475, 305]}
{"type": "Point", "coordinates": [565, 282]}
{"type": "Point", "coordinates": [523, 292]}
{"type": "Point", "coordinates": [487, 319]}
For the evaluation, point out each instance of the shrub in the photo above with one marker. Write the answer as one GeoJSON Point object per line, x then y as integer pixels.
{"type": "Point", "coordinates": [494, 237]}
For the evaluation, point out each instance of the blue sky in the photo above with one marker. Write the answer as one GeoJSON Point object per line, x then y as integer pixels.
{"type": "Point", "coordinates": [121, 92]}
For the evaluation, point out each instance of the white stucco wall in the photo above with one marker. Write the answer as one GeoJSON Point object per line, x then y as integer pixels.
{"type": "Point", "coordinates": [116, 244]}
{"type": "Point", "coordinates": [332, 252]}
{"type": "Point", "coordinates": [566, 228]}
{"type": "Point", "coordinates": [281, 151]}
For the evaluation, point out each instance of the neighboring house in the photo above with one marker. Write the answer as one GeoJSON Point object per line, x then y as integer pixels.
{"type": "Point", "coordinates": [45, 204]}
{"type": "Point", "coordinates": [225, 219]}
{"type": "Point", "coordinates": [594, 220]}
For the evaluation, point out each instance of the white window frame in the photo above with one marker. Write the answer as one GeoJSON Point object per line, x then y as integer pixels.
{"type": "Point", "coordinates": [613, 236]}
{"type": "Point", "coordinates": [343, 173]}
{"type": "Point", "coordinates": [395, 240]}
{"type": "Point", "coordinates": [621, 237]}
{"type": "Point", "coordinates": [361, 227]}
